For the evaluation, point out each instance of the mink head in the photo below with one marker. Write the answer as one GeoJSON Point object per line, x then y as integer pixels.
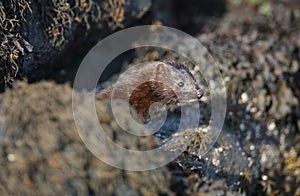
{"type": "Point", "coordinates": [174, 83]}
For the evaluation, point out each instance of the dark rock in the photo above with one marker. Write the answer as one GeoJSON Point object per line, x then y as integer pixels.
{"type": "Point", "coordinates": [52, 32]}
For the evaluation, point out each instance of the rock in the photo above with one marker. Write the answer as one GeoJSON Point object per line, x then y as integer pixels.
{"type": "Point", "coordinates": [42, 151]}
{"type": "Point", "coordinates": [53, 32]}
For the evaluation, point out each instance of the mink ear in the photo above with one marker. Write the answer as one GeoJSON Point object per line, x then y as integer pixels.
{"type": "Point", "coordinates": [159, 70]}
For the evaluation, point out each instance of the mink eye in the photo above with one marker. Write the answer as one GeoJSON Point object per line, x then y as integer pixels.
{"type": "Point", "coordinates": [180, 84]}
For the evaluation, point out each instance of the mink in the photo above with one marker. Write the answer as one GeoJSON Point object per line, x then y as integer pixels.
{"type": "Point", "coordinates": [155, 82]}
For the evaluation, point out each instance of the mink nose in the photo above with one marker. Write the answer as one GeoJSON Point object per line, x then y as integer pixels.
{"type": "Point", "coordinates": [200, 93]}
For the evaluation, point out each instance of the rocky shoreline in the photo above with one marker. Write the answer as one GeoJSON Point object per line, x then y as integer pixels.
{"type": "Point", "coordinates": [257, 152]}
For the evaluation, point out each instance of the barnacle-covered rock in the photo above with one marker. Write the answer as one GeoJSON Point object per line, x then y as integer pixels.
{"type": "Point", "coordinates": [43, 154]}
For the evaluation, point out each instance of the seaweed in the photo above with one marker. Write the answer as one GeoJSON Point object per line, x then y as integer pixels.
{"type": "Point", "coordinates": [87, 11]}
{"type": "Point", "coordinates": [114, 15]}
{"type": "Point", "coordinates": [12, 14]}
{"type": "Point", "coordinates": [60, 15]}
{"type": "Point", "coordinates": [55, 22]}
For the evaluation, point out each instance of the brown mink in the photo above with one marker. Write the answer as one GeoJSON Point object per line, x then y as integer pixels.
{"type": "Point", "coordinates": [154, 82]}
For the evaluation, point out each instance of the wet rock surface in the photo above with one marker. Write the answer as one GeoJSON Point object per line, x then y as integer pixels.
{"type": "Point", "coordinates": [257, 153]}
{"type": "Point", "coordinates": [262, 54]}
